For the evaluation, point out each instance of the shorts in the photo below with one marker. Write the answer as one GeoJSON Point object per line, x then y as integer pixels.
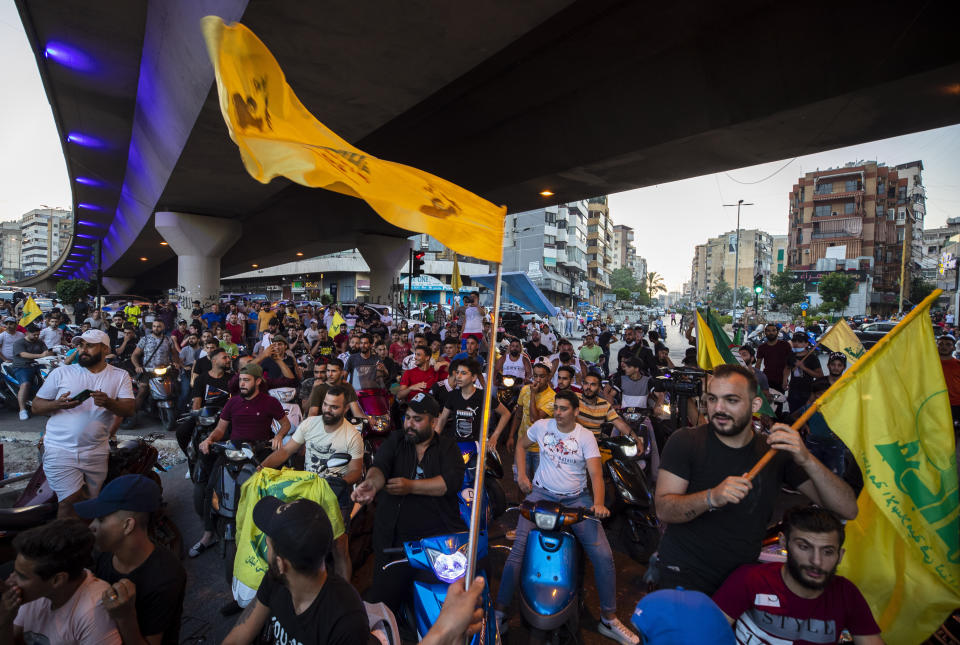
{"type": "Point", "coordinates": [25, 374]}
{"type": "Point", "coordinates": [68, 471]}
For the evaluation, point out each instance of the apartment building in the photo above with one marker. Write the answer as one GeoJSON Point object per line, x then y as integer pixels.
{"type": "Point", "coordinates": [45, 234]}
{"type": "Point", "coordinates": [10, 250]}
{"type": "Point", "coordinates": [599, 248]}
{"type": "Point", "coordinates": [717, 260]}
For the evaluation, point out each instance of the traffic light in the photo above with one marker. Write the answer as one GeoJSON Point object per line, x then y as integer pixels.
{"type": "Point", "coordinates": [758, 283]}
{"type": "Point", "coordinates": [418, 263]}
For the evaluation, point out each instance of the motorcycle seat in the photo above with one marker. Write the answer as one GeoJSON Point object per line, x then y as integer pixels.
{"type": "Point", "coordinates": [26, 517]}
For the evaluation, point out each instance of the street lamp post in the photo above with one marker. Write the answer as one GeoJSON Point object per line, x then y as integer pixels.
{"type": "Point", "coordinates": [736, 259]}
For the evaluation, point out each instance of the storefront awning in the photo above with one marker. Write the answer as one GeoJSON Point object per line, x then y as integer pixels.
{"type": "Point", "coordinates": [521, 290]}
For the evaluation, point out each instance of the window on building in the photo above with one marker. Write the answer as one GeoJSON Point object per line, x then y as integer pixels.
{"type": "Point", "coordinates": [850, 185]}
{"type": "Point", "coordinates": [891, 214]}
{"type": "Point", "coordinates": [880, 211]}
{"type": "Point", "coordinates": [823, 210]}
{"type": "Point", "coordinates": [901, 193]}
{"type": "Point", "coordinates": [824, 188]}
{"type": "Point", "coordinates": [779, 268]}
{"type": "Point", "coordinates": [550, 217]}
{"type": "Point", "coordinates": [779, 255]}
{"type": "Point", "coordinates": [901, 214]}
{"type": "Point", "coordinates": [848, 208]}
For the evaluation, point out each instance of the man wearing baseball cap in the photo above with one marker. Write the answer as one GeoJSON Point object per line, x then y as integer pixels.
{"type": "Point", "coordinates": [416, 478]}
{"type": "Point", "coordinates": [147, 582]}
{"type": "Point", "coordinates": [303, 601]}
{"type": "Point", "coordinates": [81, 401]}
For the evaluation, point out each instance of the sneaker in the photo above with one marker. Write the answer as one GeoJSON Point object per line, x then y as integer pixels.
{"type": "Point", "coordinates": [24, 415]}
{"type": "Point", "coordinates": [615, 630]}
{"type": "Point", "coordinates": [502, 623]}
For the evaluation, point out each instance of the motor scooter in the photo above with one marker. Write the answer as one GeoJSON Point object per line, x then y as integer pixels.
{"type": "Point", "coordinates": [37, 503]}
{"type": "Point", "coordinates": [629, 498]}
{"type": "Point", "coordinates": [375, 403]}
{"type": "Point", "coordinates": [446, 557]}
{"type": "Point", "coordinates": [551, 576]}
{"type": "Point", "coordinates": [164, 389]}
{"type": "Point", "coordinates": [198, 464]}
{"type": "Point", "coordinates": [240, 462]}
{"type": "Point", "coordinates": [494, 499]}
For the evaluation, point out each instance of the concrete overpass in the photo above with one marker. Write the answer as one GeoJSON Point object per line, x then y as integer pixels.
{"type": "Point", "coordinates": [580, 97]}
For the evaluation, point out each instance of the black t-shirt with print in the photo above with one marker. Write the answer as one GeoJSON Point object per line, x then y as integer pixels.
{"type": "Point", "coordinates": [212, 391]}
{"type": "Point", "coordinates": [336, 616]}
{"type": "Point", "coordinates": [463, 423]}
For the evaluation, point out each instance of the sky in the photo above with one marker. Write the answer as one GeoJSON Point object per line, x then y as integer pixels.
{"type": "Point", "coordinates": [669, 219]}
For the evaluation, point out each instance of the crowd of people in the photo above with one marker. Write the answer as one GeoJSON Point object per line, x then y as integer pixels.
{"type": "Point", "coordinates": [231, 355]}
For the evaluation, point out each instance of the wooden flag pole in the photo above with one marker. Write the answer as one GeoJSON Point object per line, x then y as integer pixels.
{"type": "Point", "coordinates": [477, 507]}
{"type": "Point", "coordinates": [923, 306]}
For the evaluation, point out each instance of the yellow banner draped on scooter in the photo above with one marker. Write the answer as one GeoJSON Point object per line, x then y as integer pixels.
{"type": "Point", "coordinates": [287, 485]}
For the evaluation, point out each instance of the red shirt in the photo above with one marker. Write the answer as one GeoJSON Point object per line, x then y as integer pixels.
{"type": "Point", "coordinates": [766, 611]}
{"type": "Point", "coordinates": [951, 373]}
{"type": "Point", "coordinates": [416, 375]}
{"type": "Point", "coordinates": [399, 351]}
{"type": "Point", "coordinates": [250, 420]}
{"type": "Point", "coordinates": [774, 359]}
{"type": "Point", "coordinates": [236, 333]}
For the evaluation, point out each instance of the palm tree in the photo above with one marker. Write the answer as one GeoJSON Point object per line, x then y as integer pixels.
{"type": "Point", "coordinates": [655, 284]}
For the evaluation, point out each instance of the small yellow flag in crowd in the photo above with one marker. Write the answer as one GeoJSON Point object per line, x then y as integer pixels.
{"type": "Point", "coordinates": [278, 136]}
{"type": "Point", "coordinates": [841, 338]}
{"type": "Point", "coordinates": [30, 312]}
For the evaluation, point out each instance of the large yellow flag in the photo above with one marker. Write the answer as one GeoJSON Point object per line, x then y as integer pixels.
{"type": "Point", "coordinates": [30, 312]}
{"type": "Point", "coordinates": [892, 410]}
{"type": "Point", "coordinates": [841, 338]}
{"type": "Point", "coordinates": [278, 136]}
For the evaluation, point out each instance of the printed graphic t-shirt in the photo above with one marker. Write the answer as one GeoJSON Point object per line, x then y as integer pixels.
{"type": "Point", "coordinates": [563, 456]}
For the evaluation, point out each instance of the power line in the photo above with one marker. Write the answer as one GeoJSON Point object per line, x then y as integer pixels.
{"type": "Point", "coordinates": [760, 181]}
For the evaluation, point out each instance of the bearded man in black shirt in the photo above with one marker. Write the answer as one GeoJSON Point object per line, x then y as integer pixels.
{"type": "Point", "coordinates": [716, 517]}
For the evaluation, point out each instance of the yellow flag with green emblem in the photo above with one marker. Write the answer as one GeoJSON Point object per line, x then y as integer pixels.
{"type": "Point", "coordinates": [335, 323]}
{"type": "Point", "coordinates": [892, 411]}
{"type": "Point", "coordinates": [841, 338]}
{"type": "Point", "coordinates": [30, 312]}
{"type": "Point", "coordinates": [456, 282]}
{"type": "Point", "coordinates": [714, 348]}
{"type": "Point", "coordinates": [278, 136]}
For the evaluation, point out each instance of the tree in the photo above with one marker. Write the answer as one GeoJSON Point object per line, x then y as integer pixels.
{"type": "Point", "coordinates": [622, 294]}
{"type": "Point", "coordinates": [722, 294]}
{"type": "Point", "coordinates": [70, 291]}
{"type": "Point", "coordinates": [835, 290]}
{"type": "Point", "coordinates": [655, 284]}
{"type": "Point", "coordinates": [920, 289]}
{"type": "Point", "coordinates": [622, 278]}
{"type": "Point", "coordinates": [786, 289]}
{"type": "Point", "coordinates": [744, 297]}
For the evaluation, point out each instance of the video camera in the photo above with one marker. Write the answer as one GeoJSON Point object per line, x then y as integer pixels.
{"type": "Point", "coordinates": [680, 381]}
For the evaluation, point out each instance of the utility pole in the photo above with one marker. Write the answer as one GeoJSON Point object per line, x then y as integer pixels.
{"type": "Point", "coordinates": [903, 259]}
{"type": "Point", "coordinates": [736, 260]}
{"type": "Point", "coordinates": [409, 281]}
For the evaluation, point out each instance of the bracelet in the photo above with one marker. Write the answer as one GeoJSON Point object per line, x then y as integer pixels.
{"type": "Point", "coordinates": [710, 506]}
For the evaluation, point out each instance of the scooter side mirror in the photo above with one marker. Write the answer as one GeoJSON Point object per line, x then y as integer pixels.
{"type": "Point", "coordinates": [247, 451]}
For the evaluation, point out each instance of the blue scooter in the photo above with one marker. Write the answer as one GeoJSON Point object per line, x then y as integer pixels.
{"type": "Point", "coordinates": [494, 499]}
{"type": "Point", "coordinates": [551, 575]}
{"type": "Point", "coordinates": [446, 557]}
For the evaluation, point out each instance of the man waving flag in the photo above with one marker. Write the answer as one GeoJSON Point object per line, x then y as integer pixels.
{"type": "Point", "coordinates": [30, 312]}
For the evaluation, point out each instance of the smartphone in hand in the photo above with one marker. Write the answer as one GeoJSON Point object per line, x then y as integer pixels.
{"type": "Point", "coordinates": [81, 396]}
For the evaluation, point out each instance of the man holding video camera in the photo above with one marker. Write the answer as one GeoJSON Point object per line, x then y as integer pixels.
{"type": "Point", "coordinates": [81, 400]}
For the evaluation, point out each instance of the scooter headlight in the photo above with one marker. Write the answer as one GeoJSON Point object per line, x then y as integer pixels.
{"type": "Point", "coordinates": [159, 371]}
{"type": "Point", "coordinates": [508, 381]}
{"type": "Point", "coordinates": [632, 416]}
{"type": "Point", "coordinates": [234, 455]}
{"type": "Point", "coordinates": [630, 450]}
{"type": "Point", "coordinates": [448, 567]}
{"type": "Point", "coordinates": [379, 423]}
{"type": "Point", "coordinates": [545, 520]}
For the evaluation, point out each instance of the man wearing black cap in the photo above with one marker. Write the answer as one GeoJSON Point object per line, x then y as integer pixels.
{"type": "Point", "coordinates": [147, 583]}
{"type": "Point", "coordinates": [302, 600]}
{"type": "Point", "coordinates": [415, 477]}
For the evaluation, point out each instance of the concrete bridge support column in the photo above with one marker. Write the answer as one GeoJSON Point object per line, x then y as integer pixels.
{"type": "Point", "coordinates": [199, 242]}
{"type": "Point", "coordinates": [385, 256]}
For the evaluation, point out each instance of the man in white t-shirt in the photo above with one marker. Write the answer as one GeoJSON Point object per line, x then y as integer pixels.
{"type": "Point", "coordinates": [323, 436]}
{"type": "Point", "coordinates": [81, 400]}
{"type": "Point", "coordinates": [8, 337]}
{"type": "Point", "coordinates": [568, 452]}
{"type": "Point", "coordinates": [548, 338]}
{"type": "Point", "coordinates": [50, 597]}
{"type": "Point", "coordinates": [51, 335]}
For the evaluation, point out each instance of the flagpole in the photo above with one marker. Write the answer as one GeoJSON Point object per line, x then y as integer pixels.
{"type": "Point", "coordinates": [477, 506]}
{"type": "Point", "coordinates": [810, 411]}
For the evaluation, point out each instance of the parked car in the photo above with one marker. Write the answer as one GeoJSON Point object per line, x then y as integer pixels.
{"type": "Point", "coordinates": [870, 333]}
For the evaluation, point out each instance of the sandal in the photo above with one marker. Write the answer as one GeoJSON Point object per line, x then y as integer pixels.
{"type": "Point", "coordinates": [199, 548]}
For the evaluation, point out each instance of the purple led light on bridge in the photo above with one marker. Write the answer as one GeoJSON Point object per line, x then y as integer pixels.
{"type": "Point", "coordinates": [85, 140]}
{"type": "Point", "coordinates": [89, 207]}
{"type": "Point", "coordinates": [78, 255]}
{"type": "Point", "coordinates": [84, 222]}
{"type": "Point", "coordinates": [69, 56]}
{"type": "Point", "coordinates": [89, 181]}
{"type": "Point", "coordinates": [89, 237]}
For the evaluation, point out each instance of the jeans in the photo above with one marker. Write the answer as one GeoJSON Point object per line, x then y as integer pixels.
{"type": "Point", "coordinates": [533, 462]}
{"type": "Point", "coordinates": [25, 374]}
{"type": "Point", "coordinates": [589, 533]}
